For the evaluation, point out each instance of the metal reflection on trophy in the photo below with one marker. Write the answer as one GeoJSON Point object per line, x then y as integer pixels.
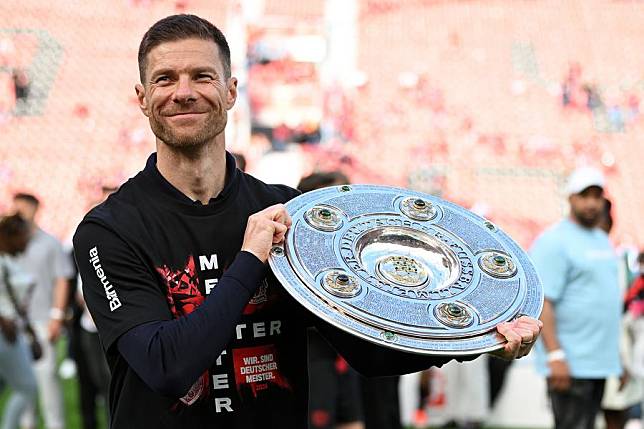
{"type": "Point", "coordinates": [404, 269]}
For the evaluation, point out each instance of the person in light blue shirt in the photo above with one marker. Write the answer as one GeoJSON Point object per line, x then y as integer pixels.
{"type": "Point", "coordinates": [582, 308]}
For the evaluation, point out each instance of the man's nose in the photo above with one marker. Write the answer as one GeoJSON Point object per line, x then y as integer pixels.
{"type": "Point", "coordinates": [184, 92]}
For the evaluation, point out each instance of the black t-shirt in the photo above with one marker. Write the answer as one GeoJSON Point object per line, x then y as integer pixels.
{"type": "Point", "coordinates": [147, 254]}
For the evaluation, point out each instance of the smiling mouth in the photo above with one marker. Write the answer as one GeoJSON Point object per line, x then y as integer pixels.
{"type": "Point", "coordinates": [185, 114]}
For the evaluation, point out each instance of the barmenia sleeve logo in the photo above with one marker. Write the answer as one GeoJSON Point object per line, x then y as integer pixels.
{"type": "Point", "coordinates": [110, 292]}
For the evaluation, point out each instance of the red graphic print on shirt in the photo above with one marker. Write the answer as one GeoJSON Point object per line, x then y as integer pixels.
{"type": "Point", "coordinates": [184, 297]}
{"type": "Point", "coordinates": [183, 293]}
{"type": "Point", "coordinates": [258, 368]}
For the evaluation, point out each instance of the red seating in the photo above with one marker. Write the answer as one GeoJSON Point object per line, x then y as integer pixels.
{"type": "Point", "coordinates": [454, 95]}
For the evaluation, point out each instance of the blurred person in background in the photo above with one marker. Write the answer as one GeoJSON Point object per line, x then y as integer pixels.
{"type": "Point", "coordinates": [334, 387]}
{"type": "Point", "coordinates": [196, 330]}
{"type": "Point", "coordinates": [582, 309]}
{"type": "Point", "coordinates": [498, 370]}
{"type": "Point", "coordinates": [635, 311]}
{"type": "Point", "coordinates": [421, 419]}
{"type": "Point", "coordinates": [623, 392]}
{"type": "Point", "coordinates": [467, 391]}
{"type": "Point", "coordinates": [93, 371]}
{"type": "Point", "coordinates": [47, 262]}
{"type": "Point", "coordinates": [76, 361]}
{"type": "Point", "coordinates": [15, 356]}
{"type": "Point", "coordinates": [381, 402]}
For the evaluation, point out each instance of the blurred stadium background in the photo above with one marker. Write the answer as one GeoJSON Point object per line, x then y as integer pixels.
{"type": "Point", "coordinates": [489, 104]}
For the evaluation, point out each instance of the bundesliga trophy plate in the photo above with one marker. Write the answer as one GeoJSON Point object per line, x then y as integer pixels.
{"type": "Point", "coordinates": [404, 269]}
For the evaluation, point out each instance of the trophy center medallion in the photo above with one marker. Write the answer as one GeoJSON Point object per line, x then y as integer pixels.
{"type": "Point", "coordinates": [406, 258]}
{"type": "Point", "coordinates": [403, 270]}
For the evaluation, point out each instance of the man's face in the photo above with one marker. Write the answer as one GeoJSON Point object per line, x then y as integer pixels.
{"type": "Point", "coordinates": [586, 207]}
{"type": "Point", "coordinates": [25, 209]}
{"type": "Point", "coordinates": [186, 95]}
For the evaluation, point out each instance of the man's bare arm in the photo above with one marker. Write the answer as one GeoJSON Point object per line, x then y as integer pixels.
{"type": "Point", "coordinates": [59, 306]}
{"type": "Point", "coordinates": [559, 372]}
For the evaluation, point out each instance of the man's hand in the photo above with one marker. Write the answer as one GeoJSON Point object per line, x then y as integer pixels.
{"type": "Point", "coordinates": [54, 328]}
{"type": "Point", "coordinates": [264, 229]}
{"type": "Point", "coordinates": [559, 379]}
{"type": "Point", "coordinates": [520, 335]}
{"type": "Point", "coordinates": [8, 329]}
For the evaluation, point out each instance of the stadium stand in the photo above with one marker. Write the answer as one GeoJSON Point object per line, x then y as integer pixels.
{"type": "Point", "coordinates": [469, 99]}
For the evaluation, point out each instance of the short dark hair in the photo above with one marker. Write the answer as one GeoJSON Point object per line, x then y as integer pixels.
{"type": "Point", "coordinates": [181, 27]}
{"type": "Point", "coordinates": [27, 197]}
{"type": "Point", "coordinates": [322, 179]}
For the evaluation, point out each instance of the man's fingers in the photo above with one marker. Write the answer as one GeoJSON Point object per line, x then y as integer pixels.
{"type": "Point", "coordinates": [520, 335]}
{"type": "Point", "coordinates": [264, 229]}
{"type": "Point", "coordinates": [560, 383]}
{"type": "Point", "coordinates": [528, 328]}
{"type": "Point", "coordinates": [285, 218]}
{"type": "Point", "coordinates": [509, 331]}
{"type": "Point", "coordinates": [512, 337]}
{"type": "Point", "coordinates": [279, 233]}
{"type": "Point", "coordinates": [529, 321]}
{"type": "Point", "coordinates": [279, 214]}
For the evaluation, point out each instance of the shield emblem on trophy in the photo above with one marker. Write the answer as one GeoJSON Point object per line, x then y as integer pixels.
{"type": "Point", "coordinates": [404, 269]}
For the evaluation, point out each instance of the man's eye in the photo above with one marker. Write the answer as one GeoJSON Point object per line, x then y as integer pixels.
{"type": "Point", "coordinates": [204, 77]}
{"type": "Point", "coordinates": [161, 79]}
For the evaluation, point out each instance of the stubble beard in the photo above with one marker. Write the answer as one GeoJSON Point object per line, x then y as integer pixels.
{"type": "Point", "coordinates": [213, 126]}
{"type": "Point", "coordinates": [587, 221]}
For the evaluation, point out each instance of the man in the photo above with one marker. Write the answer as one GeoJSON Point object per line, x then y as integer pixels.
{"type": "Point", "coordinates": [582, 309]}
{"type": "Point", "coordinates": [196, 330]}
{"type": "Point", "coordinates": [47, 262]}
{"type": "Point", "coordinates": [15, 356]}
{"type": "Point", "coordinates": [620, 393]}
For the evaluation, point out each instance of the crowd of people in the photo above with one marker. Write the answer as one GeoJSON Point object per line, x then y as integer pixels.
{"type": "Point", "coordinates": [174, 308]}
{"type": "Point", "coordinates": [592, 350]}
{"type": "Point", "coordinates": [611, 113]}
{"type": "Point", "coordinates": [171, 341]}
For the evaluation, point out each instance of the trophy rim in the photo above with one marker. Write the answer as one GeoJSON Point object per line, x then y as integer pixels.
{"type": "Point", "coordinates": [303, 293]}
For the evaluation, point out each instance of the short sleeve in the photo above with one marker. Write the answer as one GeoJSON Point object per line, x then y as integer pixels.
{"type": "Point", "coordinates": [62, 264]}
{"type": "Point", "coordinates": [551, 264]}
{"type": "Point", "coordinates": [121, 292]}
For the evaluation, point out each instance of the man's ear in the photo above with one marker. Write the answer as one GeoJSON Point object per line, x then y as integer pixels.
{"type": "Point", "coordinates": [231, 93]}
{"type": "Point", "coordinates": [140, 95]}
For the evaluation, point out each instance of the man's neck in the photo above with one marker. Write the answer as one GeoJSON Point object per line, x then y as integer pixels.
{"type": "Point", "coordinates": [199, 173]}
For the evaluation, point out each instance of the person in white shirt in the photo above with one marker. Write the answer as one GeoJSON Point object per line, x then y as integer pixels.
{"type": "Point", "coordinates": [15, 358]}
{"type": "Point", "coordinates": [45, 259]}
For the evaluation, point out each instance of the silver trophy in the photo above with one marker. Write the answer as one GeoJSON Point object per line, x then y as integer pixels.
{"type": "Point", "coordinates": [404, 269]}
